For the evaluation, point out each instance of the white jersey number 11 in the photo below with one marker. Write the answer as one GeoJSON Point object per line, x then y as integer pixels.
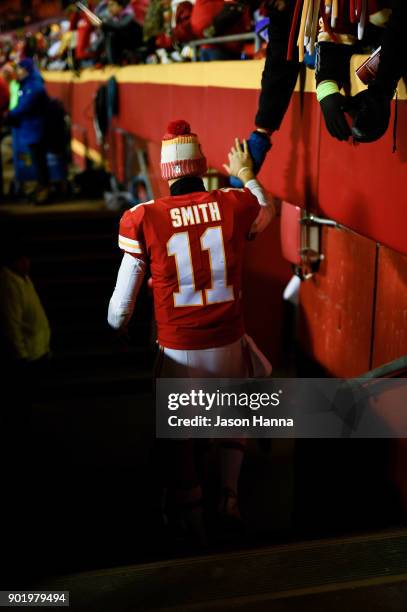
{"type": "Point", "coordinates": [211, 241]}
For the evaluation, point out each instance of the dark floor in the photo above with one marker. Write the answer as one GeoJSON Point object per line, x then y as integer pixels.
{"type": "Point", "coordinates": [353, 573]}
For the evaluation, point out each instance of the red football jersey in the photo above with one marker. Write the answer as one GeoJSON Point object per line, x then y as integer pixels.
{"type": "Point", "coordinates": [194, 244]}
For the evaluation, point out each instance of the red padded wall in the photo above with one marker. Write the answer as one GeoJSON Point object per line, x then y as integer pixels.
{"type": "Point", "coordinates": [364, 186]}
{"type": "Point", "coordinates": [82, 97]}
{"type": "Point", "coordinates": [390, 333]}
{"type": "Point", "coordinates": [292, 166]}
{"type": "Point", "coordinates": [336, 308]}
{"type": "Point", "coordinates": [81, 135]}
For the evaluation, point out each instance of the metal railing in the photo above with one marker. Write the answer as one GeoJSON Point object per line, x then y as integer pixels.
{"type": "Point", "coordinates": [248, 36]}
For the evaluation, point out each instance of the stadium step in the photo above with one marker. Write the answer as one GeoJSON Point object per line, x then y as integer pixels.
{"type": "Point", "coordinates": [78, 263]}
{"type": "Point", "coordinates": [71, 243]}
{"type": "Point", "coordinates": [353, 573]}
{"type": "Point", "coordinates": [109, 381]}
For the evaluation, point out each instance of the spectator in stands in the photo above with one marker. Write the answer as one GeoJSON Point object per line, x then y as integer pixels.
{"type": "Point", "coordinates": [332, 72]}
{"type": "Point", "coordinates": [227, 18]}
{"type": "Point", "coordinates": [155, 19]}
{"type": "Point", "coordinates": [81, 26]}
{"type": "Point", "coordinates": [211, 18]}
{"type": "Point", "coordinates": [123, 35]}
{"type": "Point", "coordinates": [30, 45]}
{"type": "Point", "coordinates": [102, 9]}
{"type": "Point", "coordinates": [277, 84]}
{"type": "Point", "coordinates": [157, 31]}
{"type": "Point", "coordinates": [56, 55]}
{"type": "Point", "coordinates": [182, 30]}
{"type": "Point", "coordinates": [126, 25]}
{"type": "Point", "coordinates": [4, 105]}
{"type": "Point", "coordinates": [17, 49]}
{"type": "Point", "coordinates": [140, 8]}
{"type": "Point", "coordinates": [28, 117]}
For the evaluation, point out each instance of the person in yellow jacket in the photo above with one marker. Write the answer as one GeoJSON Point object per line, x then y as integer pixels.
{"type": "Point", "coordinates": [24, 352]}
{"type": "Point", "coordinates": [25, 331]}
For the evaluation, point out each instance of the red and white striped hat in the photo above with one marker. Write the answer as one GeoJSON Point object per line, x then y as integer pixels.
{"type": "Point", "coordinates": [181, 153]}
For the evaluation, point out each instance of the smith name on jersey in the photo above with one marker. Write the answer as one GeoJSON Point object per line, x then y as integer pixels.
{"type": "Point", "coordinates": [194, 244]}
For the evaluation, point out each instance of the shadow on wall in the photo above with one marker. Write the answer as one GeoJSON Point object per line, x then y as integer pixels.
{"type": "Point", "coordinates": [390, 332]}
{"type": "Point", "coordinates": [401, 129]}
{"type": "Point", "coordinates": [305, 125]}
{"type": "Point", "coordinates": [266, 274]}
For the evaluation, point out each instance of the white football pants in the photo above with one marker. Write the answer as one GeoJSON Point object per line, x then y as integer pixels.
{"type": "Point", "coordinates": [240, 359]}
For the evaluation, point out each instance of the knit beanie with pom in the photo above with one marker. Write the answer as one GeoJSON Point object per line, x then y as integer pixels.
{"type": "Point", "coordinates": [181, 153]}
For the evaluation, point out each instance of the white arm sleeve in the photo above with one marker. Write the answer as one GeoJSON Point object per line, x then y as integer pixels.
{"type": "Point", "coordinates": [266, 212]}
{"type": "Point", "coordinates": [129, 279]}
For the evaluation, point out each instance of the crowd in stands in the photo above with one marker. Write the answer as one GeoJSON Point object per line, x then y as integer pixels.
{"type": "Point", "coordinates": [122, 32]}
{"type": "Point", "coordinates": [119, 32]}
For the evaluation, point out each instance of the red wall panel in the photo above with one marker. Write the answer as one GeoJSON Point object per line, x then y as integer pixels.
{"type": "Point", "coordinates": [291, 168]}
{"type": "Point", "coordinates": [336, 308]}
{"type": "Point", "coordinates": [63, 91]}
{"type": "Point", "coordinates": [78, 101]}
{"type": "Point", "coordinates": [82, 110]}
{"type": "Point", "coordinates": [364, 186]}
{"type": "Point", "coordinates": [390, 332]}
{"type": "Point", "coordinates": [79, 134]}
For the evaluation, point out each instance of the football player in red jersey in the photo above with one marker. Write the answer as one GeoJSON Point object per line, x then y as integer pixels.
{"type": "Point", "coordinates": [193, 241]}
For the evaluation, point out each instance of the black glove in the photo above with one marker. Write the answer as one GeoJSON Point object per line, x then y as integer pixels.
{"type": "Point", "coordinates": [371, 114]}
{"type": "Point", "coordinates": [333, 108]}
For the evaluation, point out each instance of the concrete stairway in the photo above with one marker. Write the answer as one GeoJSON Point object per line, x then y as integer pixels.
{"type": "Point", "coordinates": [92, 430]}
{"type": "Point", "coordinates": [74, 265]}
